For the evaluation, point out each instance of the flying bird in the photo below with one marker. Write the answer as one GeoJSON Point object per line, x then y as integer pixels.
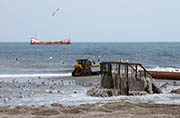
{"type": "Point", "coordinates": [55, 11]}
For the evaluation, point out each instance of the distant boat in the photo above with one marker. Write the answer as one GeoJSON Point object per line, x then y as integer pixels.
{"type": "Point", "coordinates": [36, 41]}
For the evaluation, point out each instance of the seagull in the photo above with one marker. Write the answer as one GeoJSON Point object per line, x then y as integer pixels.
{"type": "Point", "coordinates": [99, 58]}
{"type": "Point", "coordinates": [17, 60]}
{"type": "Point", "coordinates": [50, 57]}
{"type": "Point", "coordinates": [39, 77]}
{"type": "Point", "coordinates": [14, 81]}
{"type": "Point", "coordinates": [6, 99]}
{"type": "Point", "coordinates": [61, 61]}
{"type": "Point", "coordinates": [121, 60]}
{"type": "Point", "coordinates": [55, 11]}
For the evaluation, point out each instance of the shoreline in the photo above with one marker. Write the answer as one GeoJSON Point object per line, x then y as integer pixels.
{"type": "Point", "coordinates": [50, 97]}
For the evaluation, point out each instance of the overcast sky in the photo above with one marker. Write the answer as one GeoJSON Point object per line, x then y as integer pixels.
{"type": "Point", "coordinates": [90, 20]}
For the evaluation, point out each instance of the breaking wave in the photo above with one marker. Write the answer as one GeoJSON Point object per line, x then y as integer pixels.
{"type": "Point", "coordinates": [34, 75]}
{"type": "Point", "coordinates": [170, 69]}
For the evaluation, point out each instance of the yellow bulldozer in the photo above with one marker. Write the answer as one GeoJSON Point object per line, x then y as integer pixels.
{"type": "Point", "coordinates": [83, 68]}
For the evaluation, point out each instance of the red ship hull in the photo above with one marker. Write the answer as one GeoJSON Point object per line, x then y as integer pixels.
{"type": "Point", "coordinates": [50, 43]}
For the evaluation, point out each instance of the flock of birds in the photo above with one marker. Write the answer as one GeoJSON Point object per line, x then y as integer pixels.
{"type": "Point", "coordinates": [50, 58]}
{"type": "Point", "coordinates": [61, 61]}
{"type": "Point", "coordinates": [11, 90]}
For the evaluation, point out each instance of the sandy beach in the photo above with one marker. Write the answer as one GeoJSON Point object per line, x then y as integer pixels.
{"type": "Point", "coordinates": [66, 97]}
{"type": "Point", "coordinates": [98, 110]}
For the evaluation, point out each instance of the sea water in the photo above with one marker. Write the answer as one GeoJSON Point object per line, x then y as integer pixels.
{"type": "Point", "coordinates": [26, 59]}
{"type": "Point", "coordinates": [22, 60]}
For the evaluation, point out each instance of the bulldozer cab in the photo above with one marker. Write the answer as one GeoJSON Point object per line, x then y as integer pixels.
{"type": "Point", "coordinates": [83, 68]}
{"type": "Point", "coordinates": [83, 62]}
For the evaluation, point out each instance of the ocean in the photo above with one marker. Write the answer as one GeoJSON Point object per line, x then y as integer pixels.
{"type": "Point", "coordinates": [28, 72]}
{"type": "Point", "coordinates": [25, 59]}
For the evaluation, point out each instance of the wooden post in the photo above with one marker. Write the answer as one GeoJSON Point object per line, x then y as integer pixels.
{"type": "Point", "coordinates": [127, 81]}
{"type": "Point", "coordinates": [136, 72]}
{"type": "Point", "coordinates": [119, 69]}
{"type": "Point", "coordinates": [127, 71]}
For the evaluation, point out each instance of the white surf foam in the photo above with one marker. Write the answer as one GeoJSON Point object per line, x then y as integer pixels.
{"type": "Point", "coordinates": [33, 75]}
{"type": "Point", "coordinates": [165, 69]}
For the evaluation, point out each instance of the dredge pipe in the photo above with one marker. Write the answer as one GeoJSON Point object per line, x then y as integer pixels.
{"type": "Point", "coordinates": [165, 75]}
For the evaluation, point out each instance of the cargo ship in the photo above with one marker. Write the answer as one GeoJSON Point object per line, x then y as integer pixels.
{"type": "Point", "coordinates": [36, 41]}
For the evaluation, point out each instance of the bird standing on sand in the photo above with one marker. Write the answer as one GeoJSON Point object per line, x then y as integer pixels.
{"type": "Point", "coordinates": [39, 77]}
{"type": "Point", "coordinates": [14, 81]}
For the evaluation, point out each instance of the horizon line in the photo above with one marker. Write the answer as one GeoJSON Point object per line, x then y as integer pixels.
{"type": "Point", "coordinates": [101, 42]}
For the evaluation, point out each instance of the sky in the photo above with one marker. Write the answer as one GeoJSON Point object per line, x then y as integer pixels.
{"type": "Point", "coordinates": [90, 20]}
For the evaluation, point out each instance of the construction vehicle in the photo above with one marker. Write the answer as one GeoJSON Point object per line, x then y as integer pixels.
{"type": "Point", "coordinates": [83, 68]}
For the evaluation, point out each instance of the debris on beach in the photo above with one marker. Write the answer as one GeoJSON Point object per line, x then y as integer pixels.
{"type": "Point", "coordinates": [99, 92]}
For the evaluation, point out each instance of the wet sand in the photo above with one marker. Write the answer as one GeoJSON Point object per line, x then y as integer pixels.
{"type": "Point", "coordinates": [98, 110]}
{"type": "Point", "coordinates": [13, 90]}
